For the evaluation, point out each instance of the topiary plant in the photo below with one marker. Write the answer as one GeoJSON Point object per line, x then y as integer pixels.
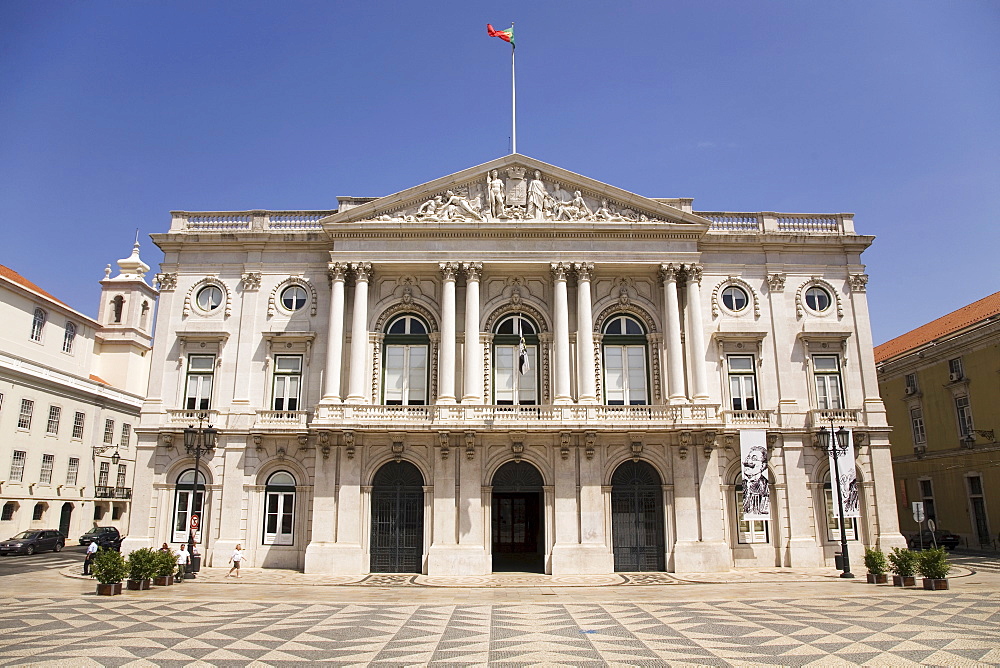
{"type": "Point", "coordinates": [933, 563]}
{"type": "Point", "coordinates": [109, 567]}
{"type": "Point", "coordinates": [875, 561]}
{"type": "Point", "coordinates": [165, 564]}
{"type": "Point", "coordinates": [142, 564]}
{"type": "Point", "coordinates": [903, 562]}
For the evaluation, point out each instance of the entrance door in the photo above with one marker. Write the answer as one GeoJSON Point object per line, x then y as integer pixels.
{"type": "Point", "coordinates": [517, 519]}
{"type": "Point", "coordinates": [397, 542]}
{"type": "Point", "coordinates": [637, 518]}
{"type": "Point", "coordinates": [64, 518]}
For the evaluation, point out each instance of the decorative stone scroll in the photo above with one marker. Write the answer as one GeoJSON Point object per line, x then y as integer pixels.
{"type": "Point", "coordinates": [166, 282]}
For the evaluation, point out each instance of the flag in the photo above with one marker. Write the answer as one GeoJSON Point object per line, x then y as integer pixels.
{"type": "Point", "coordinates": [522, 351]}
{"type": "Point", "coordinates": [506, 35]}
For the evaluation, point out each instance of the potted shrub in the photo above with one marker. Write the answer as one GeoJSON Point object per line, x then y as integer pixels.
{"type": "Point", "coordinates": [877, 565]}
{"type": "Point", "coordinates": [933, 565]}
{"type": "Point", "coordinates": [109, 568]}
{"type": "Point", "coordinates": [903, 564]}
{"type": "Point", "coordinates": [164, 565]}
{"type": "Point", "coordinates": [141, 567]}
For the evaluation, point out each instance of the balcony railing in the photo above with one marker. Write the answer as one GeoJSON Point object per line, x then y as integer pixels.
{"type": "Point", "coordinates": [187, 418]}
{"type": "Point", "coordinates": [840, 417]}
{"type": "Point", "coordinates": [748, 418]}
{"type": "Point", "coordinates": [105, 492]}
{"type": "Point", "coordinates": [282, 419]}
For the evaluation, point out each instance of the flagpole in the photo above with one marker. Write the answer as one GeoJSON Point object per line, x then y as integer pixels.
{"type": "Point", "coordinates": [513, 99]}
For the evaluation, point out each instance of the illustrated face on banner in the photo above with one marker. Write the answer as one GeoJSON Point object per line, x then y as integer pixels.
{"type": "Point", "coordinates": [848, 477]}
{"type": "Point", "coordinates": [756, 488]}
{"type": "Point", "coordinates": [754, 463]}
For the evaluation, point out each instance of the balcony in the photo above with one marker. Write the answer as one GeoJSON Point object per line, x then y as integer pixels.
{"type": "Point", "coordinates": [105, 492]}
{"type": "Point", "coordinates": [281, 420]}
{"type": "Point", "coordinates": [748, 418]}
{"type": "Point", "coordinates": [840, 417]}
{"type": "Point", "coordinates": [190, 418]}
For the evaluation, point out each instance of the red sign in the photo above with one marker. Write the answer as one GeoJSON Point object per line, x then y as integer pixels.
{"type": "Point", "coordinates": [194, 521]}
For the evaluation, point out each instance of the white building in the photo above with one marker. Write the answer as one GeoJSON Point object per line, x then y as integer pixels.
{"type": "Point", "coordinates": [70, 392]}
{"type": "Point", "coordinates": [512, 367]}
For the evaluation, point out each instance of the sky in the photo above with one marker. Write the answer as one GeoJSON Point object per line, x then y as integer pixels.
{"type": "Point", "coordinates": [114, 113]}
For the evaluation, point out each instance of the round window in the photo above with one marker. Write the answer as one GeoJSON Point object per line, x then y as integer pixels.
{"type": "Point", "coordinates": [210, 298]}
{"type": "Point", "coordinates": [734, 298]}
{"type": "Point", "coordinates": [817, 299]}
{"type": "Point", "coordinates": [293, 298]}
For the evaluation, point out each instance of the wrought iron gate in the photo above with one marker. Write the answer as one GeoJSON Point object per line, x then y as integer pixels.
{"type": "Point", "coordinates": [397, 541]}
{"type": "Point", "coordinates": [637, 518]}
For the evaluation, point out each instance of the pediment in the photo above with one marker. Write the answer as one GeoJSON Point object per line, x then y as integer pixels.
{"type": "Point", "coordinates": [512, 189]}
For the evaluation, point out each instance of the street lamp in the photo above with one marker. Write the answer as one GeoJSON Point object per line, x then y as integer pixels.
{"type": "Point", "coordinates": [115, 458]}
{"type": "Point", "coordinates": [839, 444]}
{"type": "Point", "coordinates": [199, 442]}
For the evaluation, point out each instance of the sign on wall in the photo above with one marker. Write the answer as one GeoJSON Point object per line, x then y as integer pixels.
{"type": "Point", "coordinates": [756, 487]}
{"type": "Point", "coordinates": [848, 475]}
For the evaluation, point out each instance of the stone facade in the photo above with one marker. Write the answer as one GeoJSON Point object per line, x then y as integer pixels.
{"type": "Point", "coordinates": [511, 367]}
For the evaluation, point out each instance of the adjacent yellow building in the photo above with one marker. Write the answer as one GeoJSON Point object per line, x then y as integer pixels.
{"type": "Point", "coordinates": [941, 388]}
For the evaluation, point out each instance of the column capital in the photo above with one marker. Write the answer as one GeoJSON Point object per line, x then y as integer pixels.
{"type": "Point", "coordinates": [473, 270]}
{"type": "Point", "coordinates": [362, 271]}
{"type": "Point", "coordinates": [336, 271]}
{"type": "Point", "coordinates": [670, 272]}
{"type": "Point", "coordinates": [560, 270]}
{"type": "Point", "coordinates": [448, 270]}
{"type": "Point", "coordinates": [694, 272]}
{"type": "Point", "coordinates": [584, 270]}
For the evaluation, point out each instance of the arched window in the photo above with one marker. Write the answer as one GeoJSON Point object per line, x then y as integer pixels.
{"type": "Point", "coordinates": [749, 531]}
{"type": "Point", "coordinates": [188, 501]}
{"type": "Point", "coordinates": [625, 371]}
{"type": "Point", "coordinates": [117, 306]}
{"type": "Point", "coordinates": [515, 361]}
{"type": "Point", "coordinates": [406, 351]}
{"type": "Point", "coordinates": [279, 509]}
{"type": "Point", "coordinates": [69, 337]}
{"type": "Point", "coordinates": [37, 325]}
{"type": "Point", "coordinates": [832, 514]}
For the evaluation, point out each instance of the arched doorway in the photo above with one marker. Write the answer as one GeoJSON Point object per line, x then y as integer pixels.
{"type": "Point", "coordinates": [517, 519]}
{"type": "Point", "coordinates": [397, 544]}
{"type": "Point", "coordinates": [65, 515]}
{"type": "Point", "coordinates": [637, 518]}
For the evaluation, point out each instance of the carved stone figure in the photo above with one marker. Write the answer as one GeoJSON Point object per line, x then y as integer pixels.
{"type": "Point", "coordinates": [574, 209]}
{"type": "Point", "coordinates": [536, 197]}
{"type": "Point", "coordinates": [429, 208]}
{"type": "Point", "coordinates": [496, 194]}
{"type": "Point", "coordinates": [454, 207]}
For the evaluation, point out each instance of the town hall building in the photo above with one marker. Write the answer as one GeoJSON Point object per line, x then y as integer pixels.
{"type": "Point", "coordinates": [512, 368]}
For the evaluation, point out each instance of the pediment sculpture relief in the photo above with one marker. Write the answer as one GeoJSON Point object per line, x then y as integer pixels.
{"type": "Point", "coordinates": [520, 197]}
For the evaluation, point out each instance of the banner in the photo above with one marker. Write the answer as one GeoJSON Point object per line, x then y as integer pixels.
{"type": "Point", "coordinates": [848, 475]}
{"type": "Point", "coordinates": [756, 488]}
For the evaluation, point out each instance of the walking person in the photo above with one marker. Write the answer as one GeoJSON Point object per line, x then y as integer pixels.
{"type": "Point", "coordinates": [91, 551]}
{"type": "Point", "coordinates": [235, 559]}
{"type": "Point", "coordinates": [183, 559]}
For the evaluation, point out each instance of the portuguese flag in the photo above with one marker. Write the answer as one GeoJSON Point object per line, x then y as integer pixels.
{"type": "Point", "coordinates": [506, 35]}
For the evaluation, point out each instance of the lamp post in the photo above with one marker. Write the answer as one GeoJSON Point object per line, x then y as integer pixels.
{"type": "Point", "coordinates": [199, 442]}
{"type": "Point", "coordinates": [839, 446]}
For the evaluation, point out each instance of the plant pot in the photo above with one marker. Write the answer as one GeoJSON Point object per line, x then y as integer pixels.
{"type": "Point", "coordinates": [163, 580]}
{"type": "Point", "coordinates": [877, 578]}
{"type": "Point", "coordinates": [904, 581]}
{"type": "Point", "coordinates": [935, 584]}
{"type": "Point", "coordinates": [136, 585]}
{"type": "Point", "coordinates": [109, 589]}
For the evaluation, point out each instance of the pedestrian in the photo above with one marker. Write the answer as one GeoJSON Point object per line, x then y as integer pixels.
{"type": "Point", "coordinates": [183, 559]}
{"type": "Point", "coordinates": [91, 551]}
{"type": "Point", "coordinates": [235, 560]}
{"type": "Point", "coordinates": [165, 548]}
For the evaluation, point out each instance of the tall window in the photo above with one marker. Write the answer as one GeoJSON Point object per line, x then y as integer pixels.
{"type": "Point", "coordinates": [829, 391]}
{"type": "Point", "coordinates": [287, 382]}
{"type": "Point", "coordinates": [200, 373]}
{"type": "Point", "coordinates": [964, 414]}
{"type": "Point", "coordinates": [279, 509]}
{"type": "Point", "coordinates": [109, 431]}
{"type": "Point", "coordinates": [78, 422]}
{"type": "Point", "coordinates": [406, 347]}
{"type": "Point", "coordinates": [749, 531]}
{"type": "Point", "coordinates": [833, 516]}
{"type": "Point", "coordinates": [39, 512]}
{"type": "Point", "coordinates": [977, 506]}
{"type": "Point", "coordinates": [37, 325]}
{"type": "Point", "coordinates": [68, 337]}
{"type": "Point", "coordinates": [186, 502]}
{"type": "Point", "coordinates": [625, 372]}
{"type": "Point", "coordinates": [45, 476]}
{"type": "Point", "coordinates": [955, 370]}
{"type": "Point", "coordinates": [911, 383]}
{"type": "Point", "coordinates": [17, 466]}
{"type": "Point", "coordinates": [117, 308]}
{"type": "Point", "coordinates": [126, 435]}
{"type": "Point", "coordinates": [24, 418]}
{"type": "Point", "coordinates": [8, 511]}
{"type": "Point", "coordinates": [103, 474]}
{"type": "Point", "coordinates": [515, 362]}
{"type": "Point", "coordinates": [742, 383]}
{"type": "Point", "coordinates": [73, 471]}
{"type": "Point", "coordinates": [917, 422]}
{"type": "Point", "coordinates": [52, 426]}
{"type": "Point", "coordinates": [122, 471]}
{"type": "Point", "coordinates": [927, 496]}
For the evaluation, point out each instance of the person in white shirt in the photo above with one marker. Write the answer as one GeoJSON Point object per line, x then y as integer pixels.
{"type": "Point", "coordinates": [183, 559]}
{"type": "Point", "coordinates": [235, 559]}
{"type": "Point", "coordinates": [91, 551]}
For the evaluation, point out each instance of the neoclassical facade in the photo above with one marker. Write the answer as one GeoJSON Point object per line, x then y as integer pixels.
{"type": "Point", "coordinates": [514, 367]}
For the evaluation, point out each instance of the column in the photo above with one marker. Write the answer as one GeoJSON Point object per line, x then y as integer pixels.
{"type": "Point", "coordinates": [473, 348]}
{"type": "Point", "coordinates": [561, 342]}
{"type": "Point", "coordinates": [335, 332]}
{"type": "Point", "coordinates": [675, 361]}
{"type": "Point", "coordinates": [585, 334]}
{"type": "Point", "coordinates": [696, 333]}
{"type": "Point", "coordinates": [359, 333]}
{"type": "Point", "coordinates": [446, 351]}
{"type": "Point", "coordinates": [230, 498]}
{"type": "Point", "coordinates": [803, 550]}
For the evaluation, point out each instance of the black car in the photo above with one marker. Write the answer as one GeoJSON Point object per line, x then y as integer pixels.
{"type": "Point", "coordinates": [34, 540]}
{"type": "Point", "coordinates": [945, 539]}
{"type": "Point", "coordinates": [103, 536]}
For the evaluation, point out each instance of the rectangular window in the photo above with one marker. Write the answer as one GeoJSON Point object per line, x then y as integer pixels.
{"type": "Point", "coordinates": [510, 386]}
{"type": "Point", "coordinates": [927, 496]}
{"type": "Point", "coordinates": [625, 375]}
{"type": "Point", "coordinates": [964, 413]}
{"type": "Point", "coordinates": [742, 383]}
{"type": "Point", "coordinates": [17, 466]}
{"type": "Point", "coordinates": [39, 512]}
{"type": "Point", "coordinates": [917, 422]}
{"type": "Point", "coordinates": [955, 370]}
{"type": "Point", "coordinates": [1, 401]}
{"type": "Point", "coordinates": [200, 373]}
{"type": "Point", "coordinates": [833, 520]}
{"type": "Point", "coordinates": [977, 507]}
{"type": "Point", "coordinates": [278, 518]}
{"type": "Point", "coordinates": [287, 382]}
{"type": "Point", "coordinates": [183, 508]}
{"type": "Point", "coordinates": [109, 431]}
{"type": "Point", "coordinates": [911, 383]}
{"type": "Point", "coordinates": [8, 512]}
{"type": "Point", "coordinates": [102, 476]}
{"type": "Point", "coordinates": [24, 419]}
{"type": "Point", "coordinates": [73, 471]}
{"type": "Point", "coordinates": [126, 435]}
{"type": "Point", "coordinates": [78, 421]}
{"type": "Point", "coordinates": [750, 531]}
{"type": "Point", "coordinates": [122, 470]}
{"type": "Point", "coordinates": [45, 477]}
{"type": "Point", "coordinates": [829, 391]}
{"type": "Point", "coordinates": [52, 426]}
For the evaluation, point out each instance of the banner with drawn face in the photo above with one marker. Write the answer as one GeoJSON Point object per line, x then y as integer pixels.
{"type": "Point", "coordinates": [848, 475]}
{"type": "Point", "coordinates": [756, 487]}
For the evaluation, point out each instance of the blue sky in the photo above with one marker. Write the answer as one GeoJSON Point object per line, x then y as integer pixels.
{"type": "Point", "coordinates": [115, 113]}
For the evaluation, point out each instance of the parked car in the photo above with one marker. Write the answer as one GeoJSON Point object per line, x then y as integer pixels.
{"type": "Point", "coordinates": [35, 540]}
{"type": "Point", "coordinates": [945, 539]}
{"type": "Point", "coordinates": [102, 535]}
